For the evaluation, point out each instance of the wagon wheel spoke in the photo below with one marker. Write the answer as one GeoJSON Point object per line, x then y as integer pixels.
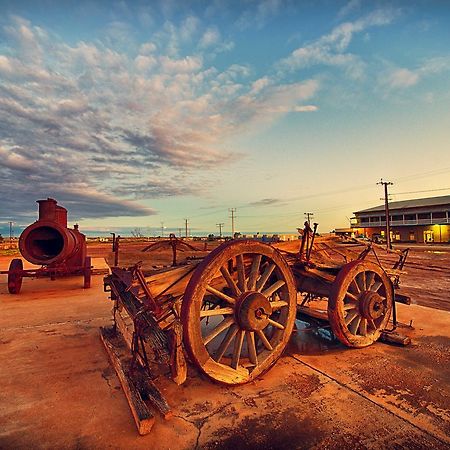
{"type": "Point", "coordinates": [220, 295]}
{"type": "Point", "coordinates": [252, 348]}
{"type": "Point", "coordinates": [375, 286]}
{"type": "Point", "coordinates": [349, 306]}
{"type": "Point", "coordinates": [264, 340]}
{"type": "Point", "coordinates": [355, 286]}
{"type": "Point", "coordinates": [370, 278]}
{"type": "Point", "coordinates": [372, 324]}
{"type": "Point", "coordinates": [278, 304]}
{"type": "Point", "coordinates": [216, 331]}
{"type": "Point", "coordinates": [363, 327]}
{"type": "Point", "coordinates": [264, 277]}
{"type": "Point", "coordinates": [230, 282]}
{"type": "Point", "coordinates": [351, 296]}
{"type": "Point", "coordinates": [354, 324]}
{"type": "Point", "coordinates": [238, 340]}
{"type": "Point", "coordinates": [216, 312]}
{"type": "Point", "coordinates": [242, 283]}
{"type": "Point", "coordinates": [276, 324]}
{"type": "Point", "coordinates": [350, 316]}
{"type": "Point", "coordinates": [231, 333]}
{"type": "Point", "coordinates": [275, 286]}
{"type": "Point", "coordinates": [254, 272]}
{"type": "Point", "coordinates": [361, 281]}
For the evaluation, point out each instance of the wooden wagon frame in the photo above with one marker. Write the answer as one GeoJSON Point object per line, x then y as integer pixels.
{"type": "Point", "coordinates": [232, 313]}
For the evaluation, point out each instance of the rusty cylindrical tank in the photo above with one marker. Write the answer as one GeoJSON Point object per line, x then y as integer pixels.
{"type": "Point", "coordinates": [49, 242]}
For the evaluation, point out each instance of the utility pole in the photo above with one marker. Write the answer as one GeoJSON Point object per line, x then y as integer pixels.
{"type": "Point", "coordinates": [386, 210]}
{"type": "Point", "coordinates": [10, 231]}
{"type": "Point", "coordinates": [179, 232]}
{"type": "Point", "coordinates": [233, 216]}
{"type": "Point", "coordinates": [220, 225]}
{"type": "Point", "coordinates": [308, 217]}
{"type": "Point", "coordinates": [162, 229]}
{"type": "Point", "coordinates": [186, 221]}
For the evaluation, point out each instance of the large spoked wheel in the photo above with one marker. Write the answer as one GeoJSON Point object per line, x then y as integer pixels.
{"type": "Point", "coordinates": [238, 311]}
{"type": "Point", "coordinates": [360, 303]}
{"type": "Point", "coordinates": [15, 276]}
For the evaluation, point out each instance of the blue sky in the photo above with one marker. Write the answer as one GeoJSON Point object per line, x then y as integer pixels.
{"type": "Point", "coordinates": [135, 113]}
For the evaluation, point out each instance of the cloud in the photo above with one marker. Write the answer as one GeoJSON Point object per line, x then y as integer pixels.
{"type": "Point", "coordinates": [349, 8]}
{"type": "Point", "coordinates": [266, 202]}
{"type": "Point", "coordinates": [87, 121]}
{"type": "Point", "coordinates": [402, 78]}
{"type": "Point", "coordinates": [330, 49]}
{"type": "Point", "coordinates": [265, 10]}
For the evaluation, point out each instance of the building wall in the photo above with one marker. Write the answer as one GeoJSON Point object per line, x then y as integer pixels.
{"type": "Point", "coordinates": [418, 233]}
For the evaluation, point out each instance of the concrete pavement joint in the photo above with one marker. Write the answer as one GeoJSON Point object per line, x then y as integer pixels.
{"type": "Point", "coordinates": [345, 386]}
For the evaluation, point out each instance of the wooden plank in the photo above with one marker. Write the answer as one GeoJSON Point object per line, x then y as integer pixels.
{"type": "Point", "coordinates": [390, 337]}
{"type": "Point", "coordinates": [317, 314]}
{"type": "Point", "coordinates": [178, 365]}
{"type": "Point", "coordinates": [142, 416]}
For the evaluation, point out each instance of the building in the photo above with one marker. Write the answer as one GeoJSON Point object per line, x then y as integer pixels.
{"type": "Point", "coordinates": [420, 220]}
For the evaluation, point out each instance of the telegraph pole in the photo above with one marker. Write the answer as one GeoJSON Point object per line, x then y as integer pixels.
{"type": "Point", "coordinates": [308, 217]}
{"type": "Point", "coordinates": [386, 209]}
{"type": "Point", "coordinates": [186, 221]}
{"type": "Point", "coordinates": [220, 225]}
{"type": "Point", "coordinates": [233, 216]}
{"type": "Point", "coordinates": [10, 231]}
{"type": "Point", "coordinates": [162, 229]}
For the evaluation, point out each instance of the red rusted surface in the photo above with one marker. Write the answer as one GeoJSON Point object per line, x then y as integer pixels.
{"type": "Point", "coordinates": [50, 243]}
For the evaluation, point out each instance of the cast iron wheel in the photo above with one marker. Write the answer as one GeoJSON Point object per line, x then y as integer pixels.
{"type": "Point", "coordinates": [15, 276]}
{"type": "Point", "coordinates": [360, 303]}
{"type": "Point", "coordinates": [238, 311]}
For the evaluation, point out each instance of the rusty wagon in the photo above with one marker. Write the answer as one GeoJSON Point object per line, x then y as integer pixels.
{"type": "Point", "coordinates": [233, 312]}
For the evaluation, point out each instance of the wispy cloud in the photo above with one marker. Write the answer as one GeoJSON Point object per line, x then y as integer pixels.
{"type": "Point", "coordinates": [402, 77]}
{"type": "Point", "coordinates": [87, 121]}
{"type": "Point", "coordinates": [331, 49]}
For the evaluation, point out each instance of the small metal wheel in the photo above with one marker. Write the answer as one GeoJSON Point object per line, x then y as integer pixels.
{"type": "Point", "coordinates": [87, 272]}
{"type": "Point", "coordinates": [238, 311]}
{"type": "Point", "coordinates": [360, 303]}
{"type": "Point", "coordinates": [15, 276]}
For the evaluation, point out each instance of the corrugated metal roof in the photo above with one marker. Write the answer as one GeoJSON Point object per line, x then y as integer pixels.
{"type": "Point", "coordinates": [416, 203]}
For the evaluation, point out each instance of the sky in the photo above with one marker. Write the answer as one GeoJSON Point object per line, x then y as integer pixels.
{"type": "Point", "coordinates": [139, 115]}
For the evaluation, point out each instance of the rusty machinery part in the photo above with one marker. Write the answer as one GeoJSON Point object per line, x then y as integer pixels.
{"type": "Point", "coordinates": [238, 311]}
{"type": "Point", "coordinates": [360, 303]}
{"type": "Point", "coordinates": [48, 241]}
{"type": "Point", "coordinates": [15, 276]}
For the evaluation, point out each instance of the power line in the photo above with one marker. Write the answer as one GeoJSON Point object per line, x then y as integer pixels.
{"type": "Point", "coordinates": [419, 192]}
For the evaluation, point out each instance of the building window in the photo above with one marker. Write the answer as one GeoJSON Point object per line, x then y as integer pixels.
{"type": "Point", "coordinates": [410, 217]}
{"type": "Point", "coordinates": [375, 219]}
{"type": "Point", "coordinates": [439, 215]}
{"type": "Point", "coordinates": [383, 218]}
{"type": "Point", "coordinates": [364, 220]}
{"type": "Point", "coordinates": [398, 218]}
{"type": "Point", "coordinates": [423, 216]}
{"type": "Point", "coordinates": [412, 236]}
{"type": "Point", "coordinates": [397, 236]}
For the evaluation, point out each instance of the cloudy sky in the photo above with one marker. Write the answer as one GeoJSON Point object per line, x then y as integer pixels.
{"type": "Point", "coordinates": [133, 113]}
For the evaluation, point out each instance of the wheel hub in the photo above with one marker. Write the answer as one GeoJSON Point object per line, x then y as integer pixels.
{"type": "Point", "coordinates": [253, 311]}
{"type": "Point", "coordinates": [371, 305]}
